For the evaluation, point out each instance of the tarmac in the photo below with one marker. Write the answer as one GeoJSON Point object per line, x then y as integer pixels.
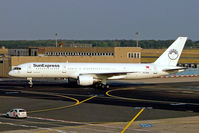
{"type": "Point", "coordinates": [167, 104]}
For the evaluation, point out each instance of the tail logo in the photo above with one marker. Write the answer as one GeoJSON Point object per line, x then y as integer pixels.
{"type": "Point", "coordinates": [173, 54]}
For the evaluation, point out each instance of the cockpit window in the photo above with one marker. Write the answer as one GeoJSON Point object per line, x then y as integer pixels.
{"type": "Point", "coordinates": [17, 68]}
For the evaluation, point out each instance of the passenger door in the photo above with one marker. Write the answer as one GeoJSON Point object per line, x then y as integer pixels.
{"type": "Point", "coordinates": [63, 68]}
{"type": "Point", "coordinates": [29, 68]}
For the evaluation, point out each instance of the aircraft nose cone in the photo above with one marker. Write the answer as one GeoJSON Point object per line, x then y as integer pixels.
{"type": "Point", "coordinates": [11, 73]}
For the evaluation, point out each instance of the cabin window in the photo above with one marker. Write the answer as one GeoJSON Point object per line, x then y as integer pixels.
{"type": "Point", "coordinates": [17, 68]}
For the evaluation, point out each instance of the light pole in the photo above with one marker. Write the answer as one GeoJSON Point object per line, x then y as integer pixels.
{"type": "Point", "coordinates": [56, 34]}
{"type": "Point", "coordinates": [137, 33]}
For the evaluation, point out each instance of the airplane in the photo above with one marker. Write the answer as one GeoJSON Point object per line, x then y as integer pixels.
{"type": "Point", "coordinates": [97, 74]}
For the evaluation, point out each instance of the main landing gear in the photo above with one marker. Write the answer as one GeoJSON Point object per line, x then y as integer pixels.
{"type": "Point", "coordinates": [30, 82]}
{"type": "Point", "coordinates": [102, 86]}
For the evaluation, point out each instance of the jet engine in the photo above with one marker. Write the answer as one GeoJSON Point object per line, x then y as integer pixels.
{"type": "Point", "coordinates": [85, 80]}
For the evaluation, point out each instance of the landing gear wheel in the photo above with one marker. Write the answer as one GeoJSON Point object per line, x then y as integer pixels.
{"type": "Point", "coordinates": [107, 86]}
{"type": "Point", "coordinates": [96, 85]}
{"type": "Point", "coordinates": [103, 86]}
{"type": "Point", "coordinates": [31, 85]}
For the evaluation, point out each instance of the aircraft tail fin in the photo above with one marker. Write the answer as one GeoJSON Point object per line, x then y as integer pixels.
{"type": "Point", "coordinates": [171, 56]}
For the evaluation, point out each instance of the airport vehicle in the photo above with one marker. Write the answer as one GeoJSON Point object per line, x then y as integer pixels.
{"type": "Point", "coordinates": [17, 113]}
{"type": "Point", "coordinates": [97, 73]}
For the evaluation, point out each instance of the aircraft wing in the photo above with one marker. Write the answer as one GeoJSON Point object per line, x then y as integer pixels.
{"type": "Point", "coordinates": [108, 75]}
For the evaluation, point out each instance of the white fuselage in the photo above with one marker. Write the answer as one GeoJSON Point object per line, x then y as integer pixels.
{"type": "Point", "coordinates": [73, 70]}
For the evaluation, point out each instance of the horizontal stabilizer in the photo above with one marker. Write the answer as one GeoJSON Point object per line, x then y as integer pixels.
{"type": "Point", "coordinates": [174, 70]}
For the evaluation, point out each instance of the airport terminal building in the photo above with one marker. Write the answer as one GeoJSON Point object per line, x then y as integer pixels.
{"type": "Point", "coordinates": [77, 54]}
{"type": "Point", "coordinates": [69, 54]}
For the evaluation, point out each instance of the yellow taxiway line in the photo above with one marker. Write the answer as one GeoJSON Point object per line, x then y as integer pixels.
{"type": "Point", "coordinates": [127, 126]}
{"type": "Point", "coordinates": [87, 99]}
{"type": "Point", "coordinates": [57, 108]}
{"type": "Point", "coordinates": [140, 100]}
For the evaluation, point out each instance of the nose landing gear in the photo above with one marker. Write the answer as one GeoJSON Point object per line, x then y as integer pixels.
{"type": "Point", "coordinates": [30, 82]}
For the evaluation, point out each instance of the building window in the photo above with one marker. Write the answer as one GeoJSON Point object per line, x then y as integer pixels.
{"type": "Point", "coordinates": [133, 55]}
{"type": "Point", "coordinates": [138, 55]}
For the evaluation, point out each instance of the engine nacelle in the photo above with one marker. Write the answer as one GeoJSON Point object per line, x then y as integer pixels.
{"type": "Point", "coordinates": [85, 80]}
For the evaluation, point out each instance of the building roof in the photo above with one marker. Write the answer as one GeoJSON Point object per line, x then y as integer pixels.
{"type": "Point", "coordinates": [3, 51]}
{"type": "Point", "coordinates": [87, 49]}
